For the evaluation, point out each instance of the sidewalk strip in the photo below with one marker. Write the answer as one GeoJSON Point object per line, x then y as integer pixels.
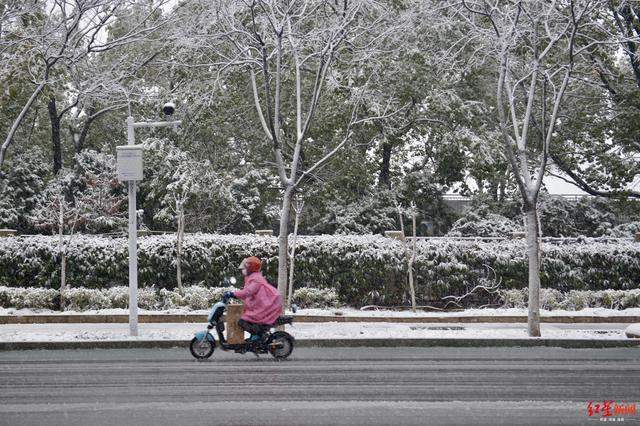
{"type": "Point", "coordinates": [202, 318]}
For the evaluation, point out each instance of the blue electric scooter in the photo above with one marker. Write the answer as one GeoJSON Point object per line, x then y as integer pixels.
{"type": "Point", "coordinates": [277, 343]}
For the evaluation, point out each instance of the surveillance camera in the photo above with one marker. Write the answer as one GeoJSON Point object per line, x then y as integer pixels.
{"type": "Point", "coordinates": [169, 108]}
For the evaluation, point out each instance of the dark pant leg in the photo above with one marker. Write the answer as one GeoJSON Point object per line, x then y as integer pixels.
{"type": "Point", "coordinates": [250, 327]}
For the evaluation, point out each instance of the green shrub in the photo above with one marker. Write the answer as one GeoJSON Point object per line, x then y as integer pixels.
{"type": "Point", "coordinates": [6, 296]}
{"type": "Point", "coordinates": [513, 298]}
{"type": "Point", "coordinates": [84, 299]}
{"type": "Point", "coordinates": [192, 297]}
{"type": "Point", "coordinates": [217, 292]}
{"type": "Point", "coordinates": [41, 298]}
{"type": "Point", "coordinates": [574, 300]}
{"type": "Point", "coordinates": [550, 298]}
{"type": "Point", "coordinates": [171, 299]}
{"type": "Point", "coordinates": [485, 224]}
{"type": "Point", "coordinates": [309, 297]}
{"type": "Point", "coordinates": [630, 299]}
{"type": "Point", "coordinates": [198, 297]}
{"type": "Point", "coordinates": [118, 297]}
{"type": "Point", "coordinates": [28, 298]}
{"type": "Point", "coordinates": [354, 266]}
{"type": "Point", "coordinates": [624, 230]}
{"type": "Point", "coordinates": [148, 298]}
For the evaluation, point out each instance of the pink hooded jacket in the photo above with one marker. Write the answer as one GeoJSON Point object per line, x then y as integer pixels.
{"type": "Point", "coordinates": [262, 302]}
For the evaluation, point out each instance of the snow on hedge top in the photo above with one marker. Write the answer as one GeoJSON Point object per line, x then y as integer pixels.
{"type": "Point", "coordinates": [353, 264]}
{"type": "Point", "coordinates": [30, 248]}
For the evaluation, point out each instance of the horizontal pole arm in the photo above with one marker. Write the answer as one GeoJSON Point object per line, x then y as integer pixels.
{"type": "Point", "coordinates": [157, 124]}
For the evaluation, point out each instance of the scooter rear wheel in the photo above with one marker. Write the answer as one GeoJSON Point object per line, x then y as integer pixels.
{"type": "Point", "coordinates": [201, 349]}
{"type": "Point", "coordinates": [280, 345]}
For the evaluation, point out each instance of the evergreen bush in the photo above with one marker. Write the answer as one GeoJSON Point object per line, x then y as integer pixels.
{"type": "Point", "coordinates": [354, 266]}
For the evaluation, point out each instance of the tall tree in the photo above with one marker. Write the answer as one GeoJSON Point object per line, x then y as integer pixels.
{"type": "Point", "coordinates": [600, 142]}
{"type": "Point", "coordinates": [65, 32]}
{"type": "Point", "coordinates": [533, 47]}
{"type": "Point", "coordinates": [288, 51]}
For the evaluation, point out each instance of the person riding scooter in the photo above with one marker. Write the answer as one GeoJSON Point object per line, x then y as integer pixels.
{"type": "Point", "coordinates": [262, 302]}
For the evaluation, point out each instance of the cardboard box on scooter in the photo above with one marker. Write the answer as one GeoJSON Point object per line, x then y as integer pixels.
{"type": "Point", "coordinates": [235, 334]}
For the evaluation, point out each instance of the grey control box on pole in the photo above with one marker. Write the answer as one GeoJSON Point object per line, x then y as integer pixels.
{"type": "Point", "coordinates": [129, 162]}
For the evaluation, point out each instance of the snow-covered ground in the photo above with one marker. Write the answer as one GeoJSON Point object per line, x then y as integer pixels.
{"type": "Point", "coordinates": [330, 330]}
{"type": "Point", "coordinates": [350, 312]}
{"type": "Point", "coordinates": [600, 312]}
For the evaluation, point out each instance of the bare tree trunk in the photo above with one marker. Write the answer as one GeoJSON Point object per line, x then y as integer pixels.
{"type": "Point", "coordinates": [283, 242]}
{"type": "Point", "coordinates": [33, 126]}
{"type": "Point", "coordinates": [179, 239]}
{"type": "Point", "coordinates": [80, 138]}
{"type": "Point", "coordinates": [412, 260]}
{"type": "Point", "coordinates": [299, 207]}
{"type": "Point", "coordinates": [628, 26]}
{"type": "Point", "coordinates": [384, 177]}
{"type": "Point", "coordinates": [502, 187]}
{"type": "Point", "coordinates": [61, 253]}
{"type": "Point", "coordinates": [63, 276]}
{"type": "Point", "coordinates": [409, 257]}
{"type": "Point", "coordinates": [17, 121]}
{"type": "Point", "coordinates": [55, 135]}
{"type": "Point", "coordinates": [533, 254]}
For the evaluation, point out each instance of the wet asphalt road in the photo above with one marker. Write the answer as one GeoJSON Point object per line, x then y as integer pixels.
{"type": "Point", "coordinates": [316, 386]}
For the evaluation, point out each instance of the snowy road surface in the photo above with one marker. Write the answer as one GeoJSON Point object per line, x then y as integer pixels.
{"type": "Point", "coordinates": [316, 386]}
{"type": "Point", "coordinates": [329, 330]}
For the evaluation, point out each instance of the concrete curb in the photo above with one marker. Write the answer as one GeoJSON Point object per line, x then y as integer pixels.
{"type": "Point", "coordinates": [202, 318]}
{"type": "Point", "coordinates": [337, 343]}
{"type": "Point", "coordinates": [474, 343]}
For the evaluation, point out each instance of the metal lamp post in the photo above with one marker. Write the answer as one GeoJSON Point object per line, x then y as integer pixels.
{"type": "Point", "coordinates": [130, 170]}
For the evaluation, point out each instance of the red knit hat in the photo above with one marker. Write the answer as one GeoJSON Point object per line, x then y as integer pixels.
{"type": "Point", "coordinates": [252, 264]}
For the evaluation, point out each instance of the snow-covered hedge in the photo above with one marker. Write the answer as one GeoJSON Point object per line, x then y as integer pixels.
{"type": "Point", "coordinates": [28, 298]}
{"type": "Point", "coordinates": [354, 266]}
{"type": "Point", "coordinates": [628, 230]}
{"type": "Point", "coordinates": [309, 297]}
{"type": "Point", "coordinates": [192, 297]}
{"type": "Point", "coordinates": [484, 225]}
{"type": "Point", "coordinates": [574, 300]}
{"type": "Point", "coordinates": [197, 297]}
{"type": "Point", "coordinates": [81, 299]}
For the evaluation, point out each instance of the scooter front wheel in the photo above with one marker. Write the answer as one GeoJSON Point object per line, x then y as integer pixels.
{"type": "Point", "coordinates": [201, 349]}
